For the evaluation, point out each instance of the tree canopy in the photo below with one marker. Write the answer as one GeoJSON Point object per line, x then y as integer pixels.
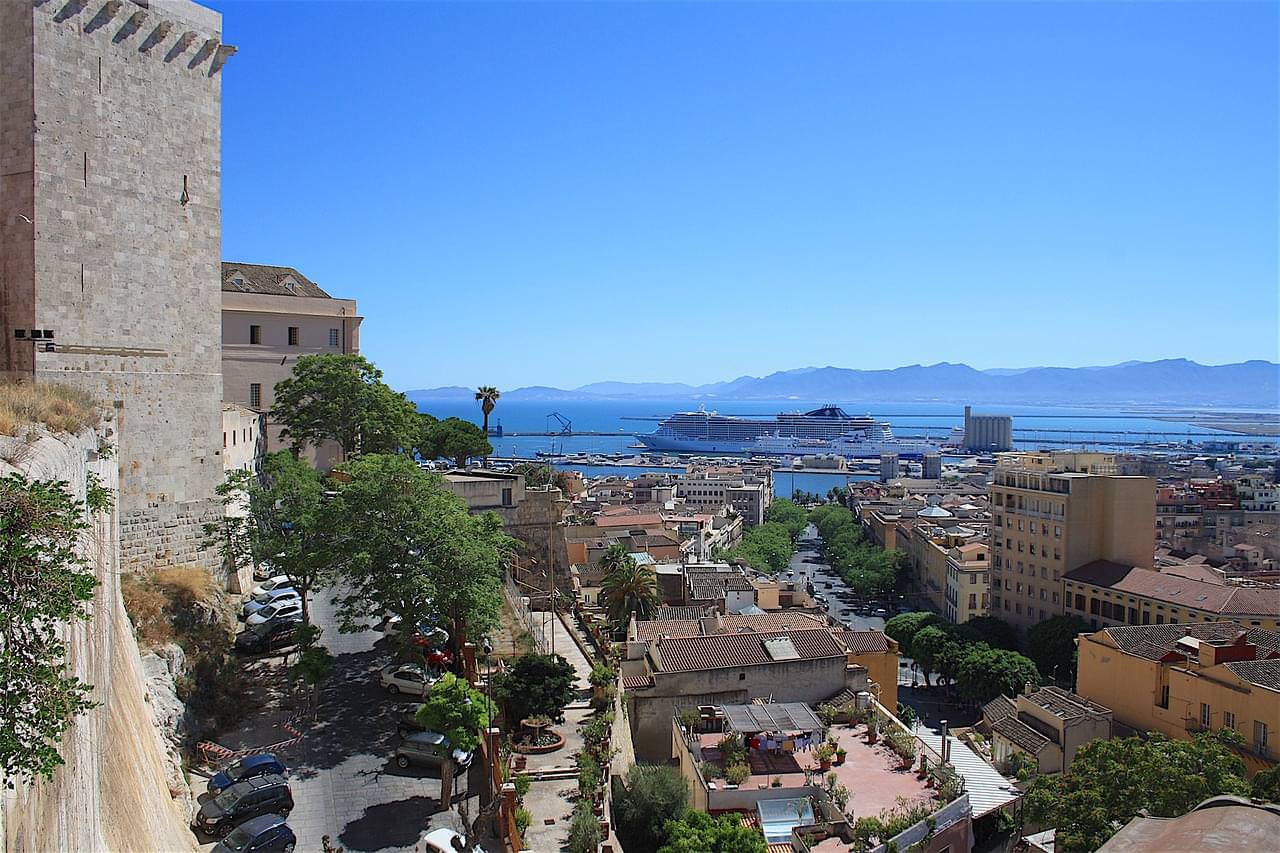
{"type": "Point", "coordinates": [44, 584]}
{"type": "Point", "coordinates": [539, 474]}
{"type": "Point", "coordinates": [459, 712]}
{"type": "Point", "coordinates": [342, 398]}
{"type": "Point", "coordinates": [788, 514]}
{"type": "Point", "coordinates": [406, 545]}
{"type": "Point", "coordinates": [1052, 645]}
{"type": "Point", "coordinates": [1111, 780]}
{"type": "Point", "coordinates": [643, 804]}
{"type": "Point", "coordinates": [905, 626]}
{"type": "Point", "coordinates": [985, 673]}
{"type": "Point", "coordinates": [282, 524]}
{"type": "Point", "coordinates": [766, 547]}
{"type": "Point", "coordinates": [536, 686]}
{"type": "Point", "coordinates": [453, 439]}
{"type": "Point", "coordinates": [698, 832]}
{"type": "Point", "coordinates": [994, 631]}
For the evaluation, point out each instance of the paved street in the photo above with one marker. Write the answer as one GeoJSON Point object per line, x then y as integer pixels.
{"type": "Point", "coordinates": [344, 782]}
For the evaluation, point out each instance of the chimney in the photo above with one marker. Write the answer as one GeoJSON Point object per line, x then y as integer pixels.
{"type": "Point", "coordinates": [1028, 688]}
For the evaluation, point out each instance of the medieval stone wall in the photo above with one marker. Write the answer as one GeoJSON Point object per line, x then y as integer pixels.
{"type": "Point", "coordinates": [112, 147]}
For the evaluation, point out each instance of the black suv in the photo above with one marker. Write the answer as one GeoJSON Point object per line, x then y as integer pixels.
{"type": "Point", "coordinates": [244, 800]}
{"type": "Point", "coordinates": [269, 636]}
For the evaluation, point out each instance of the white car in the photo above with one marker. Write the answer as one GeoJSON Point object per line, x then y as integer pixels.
{"type": "Point", "coordinates": [270, 584]}
{"type": "Point", "coordinates": [284, 609]}
{"type": "Point", "coordinates": [284, 593]}
{"type": "Point", "coordinates": [445, 840]}
{"type": "Point", "coordinates": [407, 678]}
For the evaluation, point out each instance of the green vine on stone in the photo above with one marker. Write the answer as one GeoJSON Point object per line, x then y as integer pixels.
{"type": "Point", "coordinates": [98, 498]}
{"type": "Point", "coordinates": [44, 583]}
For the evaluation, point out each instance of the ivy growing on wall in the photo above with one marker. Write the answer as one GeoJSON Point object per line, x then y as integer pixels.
{"type": "Point", "coordinates": [44, 583]}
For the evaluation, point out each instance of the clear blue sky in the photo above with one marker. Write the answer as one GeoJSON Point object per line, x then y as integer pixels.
{"type": "Point", "coordinates": [553, 194]}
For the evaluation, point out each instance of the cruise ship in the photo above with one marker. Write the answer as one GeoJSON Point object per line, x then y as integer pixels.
{"type": "Point", "coordinates": [825, 430]}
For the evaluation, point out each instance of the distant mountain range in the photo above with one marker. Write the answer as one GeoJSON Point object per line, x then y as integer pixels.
{"type": "Point", "coordinates": [1169, 382]}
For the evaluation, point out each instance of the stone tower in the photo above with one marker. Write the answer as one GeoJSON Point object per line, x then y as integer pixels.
{"type": "Point", "coordinates": [110, 236]}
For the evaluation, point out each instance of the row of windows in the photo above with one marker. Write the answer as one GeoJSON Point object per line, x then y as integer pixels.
{"type": "Point", "coordinates": [1261, 733]}
{"type": "Point", "coordinates": [245, 435]}
{"type": "Point", "coordinates": [294, 336]}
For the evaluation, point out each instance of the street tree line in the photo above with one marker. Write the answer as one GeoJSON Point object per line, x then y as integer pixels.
{"type": "Point", "coordinates": [768, 547]}
{"type": "Point", "coordinates": [868, 569]}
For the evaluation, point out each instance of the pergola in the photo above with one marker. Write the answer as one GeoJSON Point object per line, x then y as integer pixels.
{"type": "Point", "coordinates": [772, 717]}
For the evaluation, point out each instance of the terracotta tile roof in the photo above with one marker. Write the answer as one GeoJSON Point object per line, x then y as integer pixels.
{"type": "Point", "coordinates": [679, 612]}
{"type": "Point", "coordinates": [712, 587]}
{"type": "Point", "coordinates": [1155, 641]}
{"type": "Point", "coordinates": [1262, 673]}
{"type": "Point", "coordinates": [728, 651]}
{"type": "Point", "coordinates": [1020, 735]}
{"type": "Point", "coordinates": [864, 642]}
{"type": "Point", "coordinates": [1064, 704]}
{"type": "Point", "coordinates": [261, 278]}
{"type": "Point", "coordinates": [636, 682]}
{"type": "Point", "coordinates": [625, 519]}
{"type": "Point", "coordinates": [1184, 592]}
{"type": "Point", "coordinates": [998, 709]}
{"type": "Point", "coordinates": [734, 623]}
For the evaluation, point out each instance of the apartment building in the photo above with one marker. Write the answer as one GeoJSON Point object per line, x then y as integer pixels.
{"type": "Point", "coordinates": [1104, 593]}
{"type": "Point", "coordinates": [748, 491]}
{"type": "Point", "coordinates": [1047, 724]}
{"type": "Point", "coordinates": [1182, 679]}
{"type": "Point", "coordinates": [929, 550]}
{"type": "Point", "coordinates": [968, 592]}
{"type": "Point", "coordinates": [1054, 512]}
{"type": "Point", "coordinates": [271, 316]}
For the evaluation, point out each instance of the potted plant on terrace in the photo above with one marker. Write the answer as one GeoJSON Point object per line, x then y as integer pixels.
{"type": "Point", "coordinates": [824, 754]}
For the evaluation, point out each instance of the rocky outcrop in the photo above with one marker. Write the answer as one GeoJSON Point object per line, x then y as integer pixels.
{"type": "Point", "coordinates": [121, 787]}
{"type": "Point", "coordinates": [162, 669]}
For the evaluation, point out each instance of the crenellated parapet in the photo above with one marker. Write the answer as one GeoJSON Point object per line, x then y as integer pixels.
{"type": "Point", "coordinates": [172, 31]}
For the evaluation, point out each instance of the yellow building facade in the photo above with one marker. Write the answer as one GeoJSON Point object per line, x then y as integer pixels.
{"type": "Point", "coordinates": [877, 652]}
{"type": "Point", "coordinates": [1053, 512]}
{"type": "Point", "coordinates": [1181, 679]}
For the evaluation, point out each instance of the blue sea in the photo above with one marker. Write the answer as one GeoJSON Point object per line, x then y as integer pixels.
{"type": "Point", "coordinates": [1032, 424]}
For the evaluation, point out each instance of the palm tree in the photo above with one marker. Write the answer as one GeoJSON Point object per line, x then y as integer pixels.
{"type": "Point", "coordinates": [488, 397]}
{"type": "Point", "coordinates": [627, 587]}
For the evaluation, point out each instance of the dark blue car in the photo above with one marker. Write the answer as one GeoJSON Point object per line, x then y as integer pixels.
{"type": "Point", "coordinates": [245, 768]}
{"type": "Point", "coordinates": [266, 833]}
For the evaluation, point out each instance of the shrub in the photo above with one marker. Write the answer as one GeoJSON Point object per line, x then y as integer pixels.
{"type": "Point", "coordinates": [536, 686]}
{"type": "Point", "coordinates": [523, 820]}
{"type": "Point", "coordinates": [584, 831]}
{"type": "Point", "coordinates": [603, 675]}
{"type": "Point", "coordinates": [645, 802]}
{"type": "Point", "coordinates": [736, 774]}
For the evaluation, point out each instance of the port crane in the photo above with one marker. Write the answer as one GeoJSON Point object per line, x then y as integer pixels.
{"type": "Point", "coordinates": [566, 425]}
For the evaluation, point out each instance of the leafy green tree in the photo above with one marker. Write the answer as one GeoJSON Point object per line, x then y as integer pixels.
{"type": "Point", "coordinates": [536, 686]}
{"type": "Point", "coordinates": [537, 474]}
{"type": "Point", "coordinates": [1266, 785]}
{"type": "Point", "coordinates": [1052, 645]}
{"type": "Point", "coordinates": [405, 545]}
{"type": "Point", "coordinates": [643, 804]}
{"type": "Point", "coordinates": [994, 631]}
{"type": "Point", "coordinates": [928, 644]}
{"type": "Point", "coordinates": [786, 513]}
{"type": "Point", "coordinates": [280, 525]}
{"type": "Point", "coordinates": [767, 547]}
{"type": "Point", "coordinates": [627, 588]}
{"type": "Point", "coordinates": [698, 832]}
{"type": "Point", "coordinates": [905, 626]}
{"type": "Point", "coordinates": [986, 673]}
{"type": "Point", "coordinates": [342, 398]}
{"type": "Point", "coordinates": [45, 584]}
{"type": "Point", "coordinates": [1111, 780]}
{"type": "Point", "coordinates": [453, 439]}
{"type": "Point", "coordinates": [459, 712]}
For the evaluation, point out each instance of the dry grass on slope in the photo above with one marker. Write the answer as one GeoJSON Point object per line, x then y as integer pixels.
{"type": "Point", "coordinates": [59, 407]}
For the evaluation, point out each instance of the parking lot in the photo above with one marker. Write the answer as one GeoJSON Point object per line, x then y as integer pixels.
{"type": "Point", "coordinates": [344, 782]}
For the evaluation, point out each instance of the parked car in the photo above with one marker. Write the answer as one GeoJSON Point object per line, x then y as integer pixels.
{"type": "Point", "coordinates": [410, 678]}
{"type": "Point", "coordinates": [287, 608]}
{"type": "Point", "coordinates": [243, 801]}
{"type": "Point", "coordinates": [269, 584]}
{"type": "Point", "coordinates": [245, 768]}
{"type": "Point", "coordinates": [253, 605]}
{"type": "Point", "coordinates": [269, 636]}
{"type": "Point", "coordinates": [445, 840]}
{"type": "Point", "coordinates": [407, 719]}
{"type": "Point", "coordinates": [428, 748]}
{"type": "Point", "coordinates": [266, 833]}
